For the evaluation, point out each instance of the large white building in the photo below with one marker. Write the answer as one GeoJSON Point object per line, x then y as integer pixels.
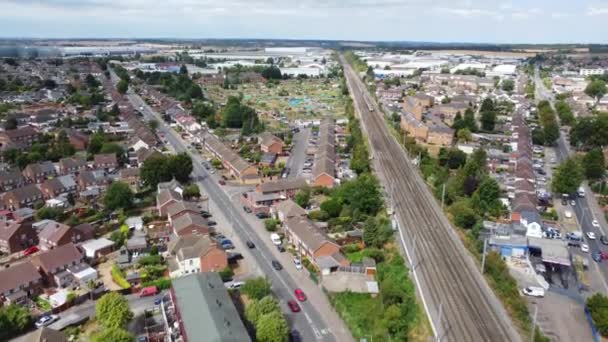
{"type": "Point", "coordinates": [595, 71]}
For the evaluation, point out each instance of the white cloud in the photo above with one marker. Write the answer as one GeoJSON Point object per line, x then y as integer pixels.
{"type": "Point", "coordinates": [593, 11]}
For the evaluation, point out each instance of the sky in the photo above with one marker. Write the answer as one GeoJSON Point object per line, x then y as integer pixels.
{"type": "Point", "coordinates": [477, 21]}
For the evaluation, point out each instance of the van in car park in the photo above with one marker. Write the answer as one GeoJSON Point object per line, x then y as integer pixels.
{"type": "Point", "coordinates": [276, 239]}
{"type": "Point", "coordinates": [533, 291]}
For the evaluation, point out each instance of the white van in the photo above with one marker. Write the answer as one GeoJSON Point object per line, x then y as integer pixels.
{"type": "Point", "coordinates": [533, 291]}
{"type": "Point", "coordinates": [581, 192]}
{"type": "Point", "coordinates": [276, 239]}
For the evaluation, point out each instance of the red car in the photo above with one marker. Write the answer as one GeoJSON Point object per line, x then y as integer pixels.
{"type": "Point", "coordinates": [31, 250]}
{"type": "Point", "coordinates": [293, 306]}
{"type": "Point", "coordinates": [300, 295]}
{"type": "Point", "coordinates": [604, 255]}
{"type": "Point", "coordinates": [222, 182]}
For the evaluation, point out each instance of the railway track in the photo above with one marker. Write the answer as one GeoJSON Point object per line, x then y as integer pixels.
{"type": "Point", "coordinates": [460, 303]}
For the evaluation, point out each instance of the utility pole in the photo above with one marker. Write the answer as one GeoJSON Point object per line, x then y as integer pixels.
{"type": "Point", "coordinates": [483, 257]}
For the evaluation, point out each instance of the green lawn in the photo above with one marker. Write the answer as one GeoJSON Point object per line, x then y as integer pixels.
{"type": "Point", "coordinates": [361, 313]}
{"type": "Point", "coordinates": [43, 304]}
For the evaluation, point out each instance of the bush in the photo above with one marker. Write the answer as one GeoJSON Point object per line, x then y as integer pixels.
{"type": "Point", "coordinates": [112, 311]}
{"type": "Point", "coordinates": [318, 215]}
{"type": "Point", "coordinates": [161, 284]}
{"type": "Point", "coordinates": [118, 277]}
{"type": "Point", "coordinates": [226, 274]}
{"type": "Point", "coordinates": [598, 307]}
{"type": "Point", "coordinates": [256, 288]}
{"type": "Point", "coordinates": [271, 224]}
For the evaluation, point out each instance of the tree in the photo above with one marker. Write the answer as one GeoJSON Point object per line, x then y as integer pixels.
{"type": "Point", "coordinates": [271, 224]}
{"type": "Point", "coordinates": [195, 92]}
{"type": "Point", "coordinates": [192, 191]}
{"type": "Point", "coordinates": [361, 194]}
{"type": "Point", "coordinates": [376, 232]}
{"type": "Point", "coordinates": [488, 195]}
{"type": "Point", "coordinates": [14, 319]}
{"type": "Point", "coordinates": [469, 120]}
{"type": "Point", "coordinates": [272, 73]}
{"type": "Point", "coordinates": [464, 215]}
{"type": "Point", "coordinates": [10, 123]}
{"type": "Point", "coordinates": [180, 166]}
{"type": "Point", "coordinates": [183, 70]}
{"type": "Point", "coordinates": [594, 164]}
{"type": "Point", "coordinates": [332, 207]}
{"type": "Point", "coordinates": [95, 143]}
{"type": "Point", "coordinates": [118, 196]}
{"type": "Point", "coordinates": [153, 124]}
{"type": "Point", "coordinates": [155, 170]}
{"type": "Point", "coordinates": [596, 89]}
{"type": "Point", "coordinates": [122, 87]}
{"type": "Point", "coordinates": [567, 178]}
{"type": "Point", "coordinates": [272, 327]}
{"type": "Point", "coordinates": [488, 120]}
{"type": "Point", "coordinates": [257, 308]}
{"type": "Point", "coordinates": [256, 288]}
{"type": "Point", "coordinates": [112, 311]}
{"type": "Point", "coordinates": [598, 307]}
{"type": "Point", "coordinates": [508, 85]}
{"type": "Point", "coordinates": [453, 158]}
{"type": "Point", "coordinates": [464, 135]}
{"type": "Point", "coordinates": [113, 335]}
{"type": "Point", "coordinates": [302, 197]}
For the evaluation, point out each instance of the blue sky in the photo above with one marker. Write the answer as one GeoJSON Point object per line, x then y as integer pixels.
{"type": "Point", "coordinates": [532, 21]}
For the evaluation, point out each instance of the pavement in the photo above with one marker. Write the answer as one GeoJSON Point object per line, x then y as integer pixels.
{"type": "Point", "coordinates": [313, 322]}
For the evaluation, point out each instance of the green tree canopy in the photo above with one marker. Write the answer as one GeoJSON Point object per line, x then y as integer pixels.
{"type": "Point", "coordinates": [377, 231]}
{"type": "Point", "coordinates": [163, 168]}
{"type": "Point", "coordinates": [302, 197]}
{"type": "Point", "coordinates": [14, 319]}
{"type": "Point", "coordinates": [257, 308]}
{"type": "Point", "coordinates": [361, 194]}
{"type": "Point", "coordinates": [256, 288]}
{"type": "Point", "coordinates": [596, 89]}
{"type": "Point", "coordinates": [122, 87]}
{"type": "Point", "coordinates": [10, 123]}
{"type": "Point", "coordinates": [332, 207]}
{"type": "Point", "coordinates": [567, 178]}
{"type": "Point", "coordinates": [112, 311]}
{"type": "Point", "coordinates": [272, 73]}
{"type": "Point", "coordinates": [464, 215]}
{"type": "Point", "coordinates": [272, 327]}
{"type": "Point", "coordinates": [508, 85]}
{"type": "Point", "coordinates": [594, 164]}
{"type": "Point", "coordinates": [598, 306]}
{"type": "Point", "coordinates": [118, 196]}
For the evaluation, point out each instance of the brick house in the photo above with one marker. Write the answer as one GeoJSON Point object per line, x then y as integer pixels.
{"type": "Point", "coordinates": [15, 237]}
{"type": "Point", "coordinates": [79, 140]}
{"type": "Point", "coordinates": [177, 209]}
{"type": "Point", "coordinates": [72, 165]}
{"type": "Point", "coordinates": [54, 187]}
{"type": "Point", "coordinates": [22, 197]}
{"type": "Point", "coordinates": [20, 282]}
{"type": "Point", "coordinates": [190, 223]}
{"type": "Point", "coordinates": [39, 172]}
{"type": "Point", "coordinates": [57, 234]}
{"type": "Point", "coordinates": [165, 198]}
{"type": "Point", "coordinates": [193, 254]}
{"type": "Point", "coordinates": [107, 162]}
{"type": "Point", "coordinates": [20, 138]}
{"type": "Point", "coordinates": [269, 143]}
{"type": "Point", "coordinates": [53, 264]}
{"type": "Point", "coordinates": [88, 178]}
{"type": "Point", "coordinates": [11, 179]}
{"type": "Point", "coordinates": [130, 176]}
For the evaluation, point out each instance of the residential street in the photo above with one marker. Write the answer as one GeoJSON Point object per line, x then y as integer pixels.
{"type": "Point", "coordinates": [298, 153]}
{"type": "Point", "coordinates": [312, 324]}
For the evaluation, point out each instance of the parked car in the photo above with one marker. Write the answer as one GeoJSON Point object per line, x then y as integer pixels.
{"type": "Point", "coordinates": [205, 214]}
{"type": "Point", "coordinates": [31, 250]}
{"type": "Point", "coordinates": [275, 238]}
{"type": "Point", "coordinates": [298, 263]}
{"type": "Point", "coordinates": [46, 320]}
{"type": "Point", "coordinates": [294, 336]}
{"type": "Point", "coordinates": [300, 294]}
{"type": "Point", "coordinates": [585, 248]}
{"type": "Point", "coordinates": [234, 284]}
{"type": "Point", "coordinates": [533, 291]}
{"type": "Point", "coordinates": [157, 301]}
{"type": "Point", "coordinates": [281, 248]}
{"type": "Point", "coordinates": [573, 203]}
{"type": "Point", "coordinates": [261, 215]}
{"type": "Point", "coordinates": [222, 182]}
{"type": "Point", "coordinates": [218, 237]}
{"type": "Point", "coordinates": [148, 291]}
{"type": "Point", "coordinates": [211, 223]}
{"type": "Point", "coordinates": [568, 214]}
{"type": "Point", "coordinates": [276, 265]}
{"type": "Point", "coordinates": [597, 256]}
{"type": "Point", "coordinates": [293, 306]}
{"type": "Point", "coordinates": [227, 245]}
{"type": "Point", "coordinates": [247, 209]}
{"type": "Point", "coordinates": [591, 235]}
{"type": "Point", "coordinates": [250, 244]}
{"type": "Point", "coordinates": [595, 224]}
{"type": "Point", "coordinates": [604, 239]}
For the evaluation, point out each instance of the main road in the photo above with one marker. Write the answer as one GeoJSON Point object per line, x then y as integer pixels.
{"type": "Point", "coordinates": [586, 209]}
{"type": "Point", "coordinates": [312, 325]}
{"type": "Point", "coordinates": [460, 304]}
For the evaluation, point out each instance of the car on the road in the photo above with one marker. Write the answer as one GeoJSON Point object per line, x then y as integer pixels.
{"type": "Point", "coordinates": [591, 235]}
{"type": "Point", "coordinates": [604, 239]}
{"type": "Point", "coordinates": [568, 214]}
{"type": "Point", "coordinates": [247, 209]}
{"type": "Point", "coordinates": [294, 336]}
{"type": "Point", "coordinates": [222, 182]}
{"type": "Point", "coordinates": [276, 265]}
{"type": "Point", "coordinates": [293, 306]}
{"type": "Point", "coordinates": [573, 203]}
{"type": "Point", "coordinates": [142, 338]}
{"type": "Point", "coordinates": [46, 320]}
{"type": "Point", "coordinates": [300, 294]}
{"type": "Point", "coordinates": [205, 214]}
{"type": "Point", "coordinates": [597, 256]}
{"type": "Point", "coordinates": [250, 244]}
{"type": "Point", "coordinates": [280, 248]}
{"type": "Point", "coordinates": [298, 263]}
{"type": "Point", "coordinates": [585, 248]}
{"type": "Point", "coordinates": [211, 223]}
{"type": "Point", "coordinates": [261, 215]}
{"type": "Point", "coordinates": [31, 250]}
{"type": "Point", "coordinates": [595, 224]}
{"type": "Point", "coordinates": [533, 291]}
{"type": "Point", "coordinates": [148, 291]}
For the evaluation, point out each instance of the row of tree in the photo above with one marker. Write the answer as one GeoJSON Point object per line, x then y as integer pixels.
{"type": "Point", "coordinates": [570, 174]}
{"type": "Point", "coordinates": [162, 168]}
{"type": "Point", "coordinates": [549, 132]}
{"type": "Point", "coordinates": [238, 115]}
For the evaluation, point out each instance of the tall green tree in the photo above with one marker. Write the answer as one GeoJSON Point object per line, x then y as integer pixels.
{"type": "Point", "coordinates": [596, 89]}
{"type": "Point", "coordinates": [469, 120]}
{"type": "Point", "coordinates": [112, 311]}
{"type": "Point", "coordinates": [154, 170]}
{"type": "Point", "coordinates": [256, 288]}
{"type": "Point", "coordinates": [568, 177]}
{"type": "Point", "coordinates": [180, 166]}
{"type": "Point", "coordinates": [14, 319]}
{"type": "Point", "coordinates": [122, 87]}
{"type": "Point", "coordinates": [598, 307]}
{"type": "Point", "coordinates": [488, 120]}
{"type": "Point", "coordinates": [257, 308]}
{"type": "Point", "coordinates": [594, 164]}
{"type": "Point", "coordinates": [376, 232]}
{"type": "Point", "coordinates": [118, 196]}
{"type": "Point", "coordinates": [272, 327]}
